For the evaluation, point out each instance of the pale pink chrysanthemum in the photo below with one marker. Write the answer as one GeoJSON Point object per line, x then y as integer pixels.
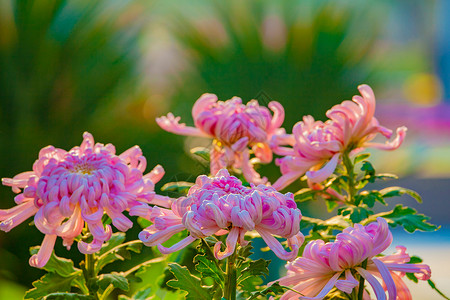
{"type": "Point", "coordinates": [235, 128]}
{"type": "Point", "coordinates": [66, 190]}
{"type": "Point", "coordinates": [316, 147]}
{"type": "Point", "coordinates": [222, 205]}
{"type": "Point", "coordinates": [327, 265]}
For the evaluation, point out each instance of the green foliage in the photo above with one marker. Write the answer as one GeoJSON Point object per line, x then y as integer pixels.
{"type": "Point", "coordinates": [119, 252]}
{"type": "Point", "coordinates": [408, 218]}
{"type": "Point", "coordinates": [369, 198]}
{"type": "Point", "coordinates": [143, 294]}
{"type": "Point", "coordinates": [208, 268]}
{"type": "Point", "coordinates": [360, 157]}
{"type": "Point", "coordinates": [61, 277]}
{"type": "Point", "coordinates": [181, 187]}
{"type": "Point", "coordinates": [48, 284]}
{"type": "Point", "coordinates": [68, 296]}
{"type": "Point", "coordinates": [185, 281]}
{"type": "Point", "coordinates": [201, 152]}
{"type": "Point", "coordinates": [114, 278]}
{"type": "Point", "coordinates": [395, 191]}
{"type": "Point", "coordinates": [274, 290]}
{"type": "Point", "coordinates": [355, 213]}
{"type": "Point", "coordinates": [433, 286]}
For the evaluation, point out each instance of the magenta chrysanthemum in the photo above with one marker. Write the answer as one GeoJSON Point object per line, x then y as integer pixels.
{"type": "Point", "coordinates": [65, 190]}
{"type": "Point", "coordinates": [327, 265]}
{"type": "Point", "coordinates": [234, 127]}
{"type": "Point", "coordinates": [316, 146]}
{"type": "Point", "coordinates": [221, 205]}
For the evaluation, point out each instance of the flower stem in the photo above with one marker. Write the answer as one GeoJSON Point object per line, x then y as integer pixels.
{"type": "Point", "coordinates": [351, 177]}
{"type": "Point", "coordinates": [361, 281]}
{"type": "Point", "coordinates": [90, 274]}
{"type": "Point", "coordinates": [229, 291]}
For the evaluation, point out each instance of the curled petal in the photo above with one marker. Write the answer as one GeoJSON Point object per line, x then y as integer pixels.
{"type": "Point", "coordinates": [16, 215]}
{"type": "Point", "coordinates": [231, 244]}
{"type": "Point", "coordinates": [276, 247]}
{"type": "Point", "coordinates": [278, 115]}
{"type": "Point", "coordinates": [376, 286]}
{"type": "Point", "coordinates": [326, 171]}
{"type": "Point", "coordinates": [151, 237]}
{"type": "Point", "coordinates": [401, 133]}
{"type": "Point", "coordinates": [171, 124]}
{"type": "Point", "coordinates": [348, 284]}
{"type": "Point", "coordinates": [89, 248]}
{"type": "Point", "coordinates": [178, 246]}
{"type": "Point", "coordinates": [40, 259]}
{"type": "Point", "coordinates": [387, 278]}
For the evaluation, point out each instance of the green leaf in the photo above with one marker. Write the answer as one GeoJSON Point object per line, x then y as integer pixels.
{"type": "Point", "coordinates": [62, 266]}
{"type": "Point", "coordinates": [274, 289]}
{"type": "Point", "coordinates": [68, 296]}
{"type": "Point", "coordinates": [119, 252]}
{"type": "Point", "coordinates": [355, 213]}
{"type": "Point", "coordinates": [369, 171]}
{"type": "Point", "coordinates": [433, 286]}
{"type": "Point", "coordinates": [143, 294]}
{"type": "Point", "coordinates": [209, 269]}
{"type": "Point", "coordinates": [337, 222]}
{"type": "Point", "coordinates": [361, 157]}
{"type": "Point", "coordinates": [408, 218]}
{"type": "Point", "coordinates": [187, 282]}
{"type": "Point", "coordinates": [395, 191]}
{"type": "Point", "coordinates": [144, 223]}
{"type": "Point", "coordinates": [201, 152]}
{"type": "Point", "coordinates": [115, 240]}
{"type": "Point", "coordinates": [48, 284]}
{"type": "Point", "coordinates": [415, 260]}
{"type": "Point", "coordinates": [114, 278]}
{"type": "Point", "coordinates": [245, 252]}
{"type": "Point", "coordinates": [369, 198]}
{"type": "Point", "coordinates": [331, 205]}
{"type": "Point", "coordinates": [259, 267]}
{"type": "Point", "coordinates": [412, 277]}
{"type": "Point", "coordinates": [305, 194]}
{"type": "Point", "coordinates": [181, 187]}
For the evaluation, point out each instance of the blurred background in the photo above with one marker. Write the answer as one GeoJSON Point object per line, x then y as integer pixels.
{"type": "Point", "coordinates": [111, 66]}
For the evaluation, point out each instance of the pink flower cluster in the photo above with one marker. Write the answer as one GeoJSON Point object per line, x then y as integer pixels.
{"type": "Point", "coordinates": [316, 147]}
{"type": "Point", "coordinates": [221, 205]}
{"type": "Point", "coordinates": [234, 127]}
{"type": "Point", "coordinates": [327, 265]}
{"type": "Point", "coordinates": [66, 190]}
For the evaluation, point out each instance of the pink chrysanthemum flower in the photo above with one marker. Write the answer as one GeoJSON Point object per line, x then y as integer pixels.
{"type": "Point", "coordinates": [316, 146]}
{"type": "Point", "coordinates": [234, 127]}
{"type": "Point", "coordinates": [222, 205]}
{"type": "Point", "coordinates": [65, 190]}
{"type": "Point", "coordinates": [327, 265]}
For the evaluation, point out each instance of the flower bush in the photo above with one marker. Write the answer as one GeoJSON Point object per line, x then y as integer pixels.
{"type": "Point", "coordinates": [78, 194]}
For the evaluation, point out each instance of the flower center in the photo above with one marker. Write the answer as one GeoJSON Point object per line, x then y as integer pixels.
{"type": "Point", "coordinates": [82, 168]}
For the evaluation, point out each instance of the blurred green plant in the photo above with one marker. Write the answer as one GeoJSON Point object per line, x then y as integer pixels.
{"type": "Point", "coordinates": [61, 62]}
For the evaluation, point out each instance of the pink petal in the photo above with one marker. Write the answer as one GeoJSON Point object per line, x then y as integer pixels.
{"type": "Point", "coordinates": [326, 171]}
{"type": "Point", "coordinates": [276, 247]}
{"type": "Point", "coordinates": [178, 246]}
{"type": "Point", "coordinates": [387, 278]}
{"type": "Point", "coordinates": [40, 259]}
{"type": "Point", "coordinates": [171, 124]}
{"type": "Point", "coordinates": [231, 244]}
{"type": "Point", "coordinates": [401, 133]}
{"type": "Point", "coordinates": [376, 286]}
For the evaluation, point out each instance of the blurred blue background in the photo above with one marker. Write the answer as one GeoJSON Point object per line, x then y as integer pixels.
{"type": "Point", "coordinates": [111, 67]}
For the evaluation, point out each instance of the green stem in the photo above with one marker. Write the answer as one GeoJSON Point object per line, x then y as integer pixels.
{"type": "Point", "coordinates": [351, 177]}
{"type": "Point", "coordinates": [361, 281]}
{"type": "Point", "coordinates": [229, 290]}
{"type": "Point", "coordinates": [89, 273]}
